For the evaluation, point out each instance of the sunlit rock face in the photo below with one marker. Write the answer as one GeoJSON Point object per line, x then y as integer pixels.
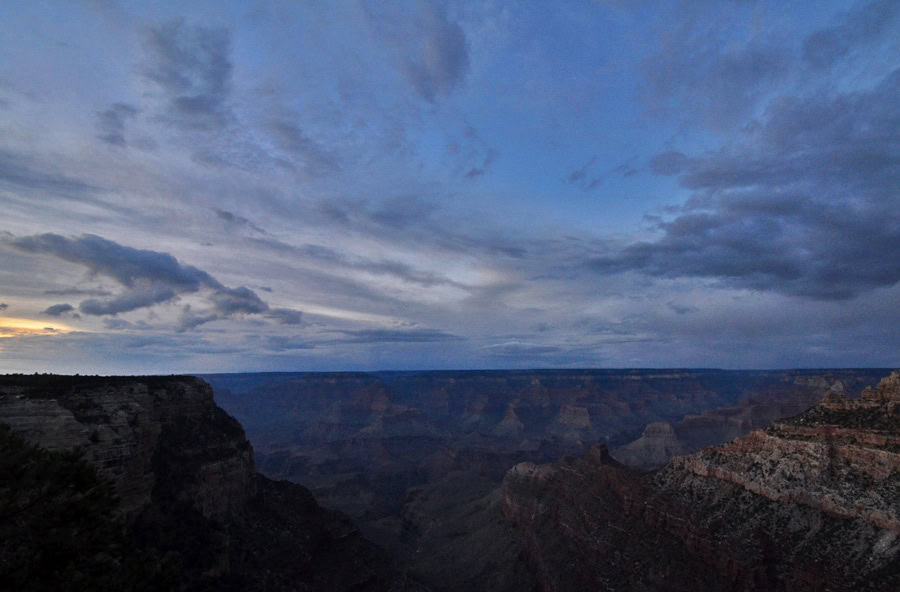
{"type": "Point", "coordinates": [184, 472]}
{"type": "Point", "coordinates": [809, 503]}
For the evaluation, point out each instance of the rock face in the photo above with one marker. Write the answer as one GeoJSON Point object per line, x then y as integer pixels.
{"type": "Point", "coordinates": [659, 443]}
{"type": "Point", "coordinates": [809, 503]}
{"type": "Point", "coordinates": [188, 488]}
{"type": "Point", "coordinates": [125, 429]}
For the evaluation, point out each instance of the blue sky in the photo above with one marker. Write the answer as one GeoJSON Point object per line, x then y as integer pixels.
{"type": "Point", "coordinates": [213, 186]}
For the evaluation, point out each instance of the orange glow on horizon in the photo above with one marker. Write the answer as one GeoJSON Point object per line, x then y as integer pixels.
{"type": "Point", "coordinates": [14, 327]}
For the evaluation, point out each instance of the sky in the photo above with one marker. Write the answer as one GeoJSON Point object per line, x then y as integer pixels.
{"type": "Point", "coordinates": [350, 185]}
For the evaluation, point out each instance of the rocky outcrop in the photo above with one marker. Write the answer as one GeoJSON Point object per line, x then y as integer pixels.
{"type": "Point", "coordinates": [809, 503]}
{"type": "Point", "coordinates": [184, 473]}
{"type": "Point", "coordinates": [660, 443]}
{"type": "Point", "coordinates": [124, 427]}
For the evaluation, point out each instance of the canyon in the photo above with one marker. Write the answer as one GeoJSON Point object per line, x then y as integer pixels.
{"type": "Point", "coordinates": [410, 456]}
{"type": "Point", "coordinates": [446, 481]}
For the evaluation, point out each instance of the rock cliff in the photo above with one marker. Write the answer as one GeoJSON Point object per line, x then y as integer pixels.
{"type": "Point", "coordinates": [188, 491]}
{"type": "Point", "coordinates": [662, 441]}
{"type": "Point", "coordinates": [809, 503]}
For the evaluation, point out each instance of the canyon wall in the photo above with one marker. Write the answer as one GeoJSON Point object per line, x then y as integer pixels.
{"type": "Point", "coordinates": [189, 492]}
{"type": "Point", "coordinates": [809, 503]}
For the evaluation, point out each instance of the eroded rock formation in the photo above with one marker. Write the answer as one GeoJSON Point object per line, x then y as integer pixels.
{"type": "Point", "coordinates": [810, 503]}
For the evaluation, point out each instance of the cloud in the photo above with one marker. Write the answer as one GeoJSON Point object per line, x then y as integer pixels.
{"type": "Point", "coordinates": [856, 28]}
{"type": "Point", "coordinates": [233, 220]}
{"type": "Point", "coordinates": [682, 309]}
{"type": "Point", "coordinates": [402, 212]}
{"type": "Point", "coordinates": [516, 349]}
{"type": "Point", "coordinates": [286, 316]}
{"type": "Point", "coordinates": [433, 55]}
{"type": "Point", "coordinates": [335, 259]}
{"type": "Point", "coordinates": [671, 162]}
{"type": "Point", "coordinates": [58, 309]}
{"type": "Point", "coordinates": [317, 161]}
{"type": "Point", "coordinates": [226, 303]}
{"type": "Point", "coordinates": [191, 67]}
{"type": "Point", "coordinates": [78, 292]}
{"type": "Point", "coordinates": [242, 300]}
{"type": "Point", "coordinates": [280, 344]}
{"type": "Point", "coordinates": [702, 72]}
{"type": "Point", "coordinates": [802, 204]}
{"type": "Point", "coordinates": [398, 336]}
{"type": "Point", "coordinates": [587, 178]}
{"type": "Point", "coordinates": [489, 157]}
{"type": "Point", "coordinates": [149, 278]}
{"type": "Point", "coordinates": [191, 320]}
{"type": "Point", "coordinates": [579, 174]}
{"type": "Point", "coordinates": [142, 295]}
{"type": "Point", "coordinates": [111, 123]}
{"type": "Point", "coordinates": [115, 324]}
{"type": "Point", "coordinates": [127, 265]}
{"type": "Point", "coordinates": [3, 306]}
{"type": "Point", "coordinates": [20, 172]}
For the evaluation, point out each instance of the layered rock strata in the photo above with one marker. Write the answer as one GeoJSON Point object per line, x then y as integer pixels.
{"type": "Point", "coordinates": [662, 441]}
{"type": "Point", "coordinates": [810, 503]}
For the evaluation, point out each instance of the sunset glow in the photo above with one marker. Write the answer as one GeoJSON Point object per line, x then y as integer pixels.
{"type": "Point", "coordinates": [13, 327]}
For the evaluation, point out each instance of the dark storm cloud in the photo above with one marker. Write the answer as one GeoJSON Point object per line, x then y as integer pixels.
{"type": "Point", "coordinates": [149, 277]}
{"type": "Point", "coordinates": [58, 309]}
{"type": "Point", "coordinates": [3, 306]}
{"type": "Point", "coordinates": [804, 205]}
{"type": "Point", "coordinates": [192, 68]}
{"type": "Point", "coordinates": [398, 336]}
{"type": "Point", "coordinates": [869, 23]}
{"type": "Point", "coordinates": [111, 123]}
{"type": "Point", "coordinates": [286, 316]}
